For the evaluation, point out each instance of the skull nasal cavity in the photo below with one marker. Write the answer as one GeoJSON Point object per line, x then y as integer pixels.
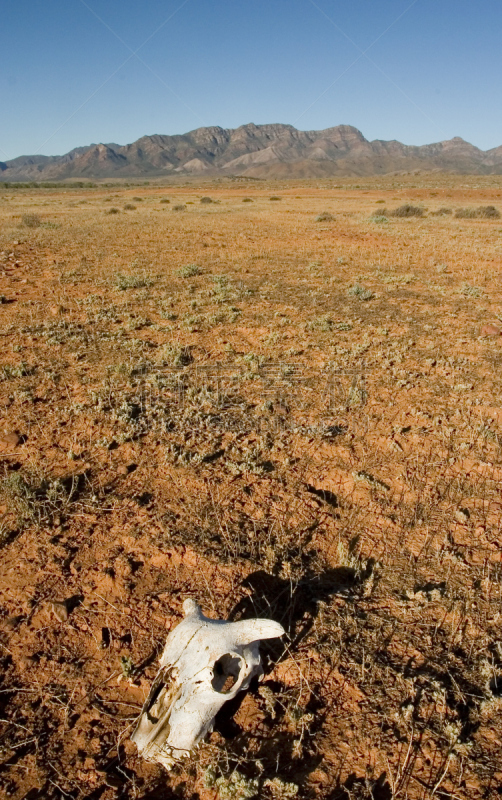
{"type": "Point", "coordinates": [226, 673]}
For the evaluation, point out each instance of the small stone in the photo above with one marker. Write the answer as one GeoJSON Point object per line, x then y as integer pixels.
{"type": "Point", "coordinates": [491, 330]}
{"type": "Point", "coordinates": [10, 438]}
{"type": "Point", "coordinates": [123, 470]}
{"type": "Point", "coordinates": [59, 609]}
{"type": "Point", "coordinates": [462, 515]}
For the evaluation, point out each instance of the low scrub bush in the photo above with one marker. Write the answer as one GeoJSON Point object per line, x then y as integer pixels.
{"type": "Point", "coordinates": [123, 282]}
{"type": "Point", "coordinates": [482, 212]}
{"type": "Point", "coordinates": [470, 291]}
{"type": "Point", "coordinates": [441, 212]}
{"type": "Point", "coordinates": [405, 211]}
{"type": "Point", "coordinates": [31, 221]}
{"type": "Point", "coordinates": [189, 271]}
{"type": "Point", "coordinates": [325, 216]}
{"type": "Point", "coordinates": [34, 499]}
{"type": "Point", "coordinates": [176, 355]}
{"type": "Point", "coordinates": [360, 292]}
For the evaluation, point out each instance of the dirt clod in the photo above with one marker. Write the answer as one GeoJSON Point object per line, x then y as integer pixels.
{"type": "Point", "coordinates": [10, 439]}
{"type": "Point", "coordinates": [491, 330]}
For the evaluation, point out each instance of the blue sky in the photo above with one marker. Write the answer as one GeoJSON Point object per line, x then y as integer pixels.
{"type": "Point", "coordinates": [432, 70]}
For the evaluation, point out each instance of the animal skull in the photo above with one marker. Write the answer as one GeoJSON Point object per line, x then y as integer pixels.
{"type": "Point", "coordinates": [205, 663]}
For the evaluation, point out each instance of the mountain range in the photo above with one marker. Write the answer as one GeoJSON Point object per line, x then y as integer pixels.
{"type": "Point", "coordinates": [254, 151]}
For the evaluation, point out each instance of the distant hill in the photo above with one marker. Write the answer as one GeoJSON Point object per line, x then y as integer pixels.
{"type": "Point", "coordinates": [255, 151]}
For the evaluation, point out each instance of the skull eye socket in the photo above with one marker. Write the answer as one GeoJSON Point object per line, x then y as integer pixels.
{"type": "Point", "coordinates": [226, 673]}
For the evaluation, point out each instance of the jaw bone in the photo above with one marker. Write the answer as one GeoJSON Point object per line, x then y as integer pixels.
{"type": "Point", "coordinates": [205, 663]}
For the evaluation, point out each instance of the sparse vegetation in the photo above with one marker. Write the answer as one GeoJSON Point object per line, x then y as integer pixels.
{"type": "Point", "coordinates": [202, 407]}
{"type": "Point", "coordinates": [470, 291]}
{"type": "Point", "coordinates": [10, 371]}
{"type": "Point", "coordinates": [189, 271]}
{"type": "Point", "coordinates": [324, 217]}
{"type": "Point", "coordinates": [124, 282]}
{"type": "Point", "coordinates": [31, 220]}
{"type": "Point", "coordinates": [34, 500]}
{"type": "Point", "coordinates": [320, 324]}
{"type": "Point", "coordinates": [379, 219]}
{"type": "Point", "coordinates": [175, 355]}
{"type": "Point", "coordinates": [360, 292]}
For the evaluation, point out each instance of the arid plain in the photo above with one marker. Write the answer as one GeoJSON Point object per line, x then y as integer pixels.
{"type": "Point", "coordinates": [280, 399]}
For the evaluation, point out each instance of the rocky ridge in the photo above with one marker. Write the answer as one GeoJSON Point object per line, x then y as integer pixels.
{"type": "Point", "coordinates": [259, 151]}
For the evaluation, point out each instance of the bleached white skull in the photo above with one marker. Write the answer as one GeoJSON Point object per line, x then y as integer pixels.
{"type": "Point", "coordinates": [205, 663]}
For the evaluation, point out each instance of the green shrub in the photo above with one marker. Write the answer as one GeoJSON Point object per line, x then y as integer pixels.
{"type": "Point", "coordinates": [206, 200]}
{"type": "Point", "coordinates": [165, 200]}
{"type": "Point", "coordinates": [276, 198]}
{"type": "Point", "coordinates": [179, 207]}
{"type": "Point", "coordinates": [113, 210]}
{"type": "Point", "coordinates": [325, 216]}
{"type": "Point", "coordinates": [129, 207]}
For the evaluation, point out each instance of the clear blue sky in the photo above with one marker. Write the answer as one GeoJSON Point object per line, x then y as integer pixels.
{"type": "Point", "coordinates": [68, 80]}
